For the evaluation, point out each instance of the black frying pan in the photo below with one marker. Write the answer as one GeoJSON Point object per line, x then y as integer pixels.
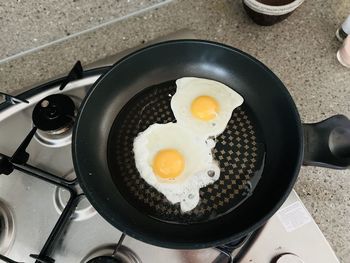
{"type": "Point", "coordinates": [260, 152]}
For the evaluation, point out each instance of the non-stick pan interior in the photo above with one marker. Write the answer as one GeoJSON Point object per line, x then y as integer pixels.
{"type": "Point", "coordinates": [240, 152]}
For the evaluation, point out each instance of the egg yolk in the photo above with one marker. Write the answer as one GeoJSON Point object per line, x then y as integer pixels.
{"type": "Point", "coordinates": [205, 108]}
{"type": "Point", "coordinates": [168, 163]}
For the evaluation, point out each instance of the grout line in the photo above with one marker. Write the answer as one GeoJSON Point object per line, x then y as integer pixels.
{"type": "Point", "coordinates": [138, 12]}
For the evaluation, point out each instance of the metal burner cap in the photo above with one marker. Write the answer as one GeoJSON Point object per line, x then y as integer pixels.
{"type": "Point", "coordinates": [104, 254]}
{"type": "Point", "coordinates": [54, 113]}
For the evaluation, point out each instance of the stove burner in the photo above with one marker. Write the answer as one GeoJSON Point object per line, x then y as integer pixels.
{"type": "Point", "coordinates": [104, 255]}
{"type": "Point", "coordinates": [84, 209]}
{"type": "Point", "coordinates": [54, 117]}
{"type": "Point", "coordinates": [7, 230]}
{"type": "Point", "coordinates": [104, 259]}
{"type": "Point", "coordinates": [54, 114]}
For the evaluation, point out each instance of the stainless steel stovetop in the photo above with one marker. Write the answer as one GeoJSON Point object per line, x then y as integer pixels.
{"type": "Point", "coordinates": [30, 207]}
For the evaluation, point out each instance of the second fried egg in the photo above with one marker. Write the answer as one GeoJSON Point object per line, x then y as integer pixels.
{"type": "Point", "coordinates": [204, 106]}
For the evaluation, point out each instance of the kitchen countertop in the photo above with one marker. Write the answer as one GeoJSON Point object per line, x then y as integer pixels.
{"type": "Point", "coordinates": [300, 50]}
{"type": "Point", "coordinates": [42, 22]}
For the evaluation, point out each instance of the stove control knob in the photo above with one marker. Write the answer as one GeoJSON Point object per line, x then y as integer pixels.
{"type": "Point", "coordinates": [288, 258]}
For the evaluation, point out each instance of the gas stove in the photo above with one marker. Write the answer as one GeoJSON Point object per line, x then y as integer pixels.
{"type": "Point", "coordinates": [45, 217]}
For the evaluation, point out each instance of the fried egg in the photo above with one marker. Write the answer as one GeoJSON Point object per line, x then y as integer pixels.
{"type": "Point", "coordinates": [176, 162]}
{"type": "Point", "coordinates": [204, 106]}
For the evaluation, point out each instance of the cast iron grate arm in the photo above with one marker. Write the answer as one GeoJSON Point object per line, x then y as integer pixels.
{"type": "Point", "coordinates": [13, 99]}
{"type": "Point", "coordinates": [8, 260]}
{"type": "Point", "coordinates": [75, 73]}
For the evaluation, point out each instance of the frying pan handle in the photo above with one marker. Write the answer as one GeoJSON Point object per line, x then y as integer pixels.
{"type": "Point", "coordinates": [327, 143]}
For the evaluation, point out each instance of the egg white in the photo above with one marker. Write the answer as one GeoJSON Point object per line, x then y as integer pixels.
{"type": "Point", "coordinates": [188, 89]}
{"type": "Point", "coordinates": [198, 161]}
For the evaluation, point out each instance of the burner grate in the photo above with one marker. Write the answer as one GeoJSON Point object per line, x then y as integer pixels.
{"type": "Point", "coordinates": [19, 159]}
